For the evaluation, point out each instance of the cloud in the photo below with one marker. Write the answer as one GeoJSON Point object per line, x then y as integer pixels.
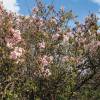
{"type": "Point", "coordinates": [11, 5]}
{"type": "Point", "coordinates": [96, 1]}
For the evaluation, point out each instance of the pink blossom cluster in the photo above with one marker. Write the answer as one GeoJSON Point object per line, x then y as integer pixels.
{"type": "Point", "coordinates": [11, 41]}
{"type": "Point", "coordinates": [46, 60]}
{"type": "Point", "coordinates": [67, 58]}
{"type": "Point", "coordinates": [42, 45]}
{"type": "Point", "coordinates": [14, 38]}
{"type": "Point", "coordinates": [17, 53]}
{"type": "Point", "coordinates": [55, 36]}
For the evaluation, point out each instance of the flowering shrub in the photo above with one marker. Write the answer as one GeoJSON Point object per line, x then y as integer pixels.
{"type": "Point", "coordinates": [41, 58]}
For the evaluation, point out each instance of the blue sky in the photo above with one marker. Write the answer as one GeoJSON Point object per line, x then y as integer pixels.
{"type": "Point", "coordinates": [81, 8]}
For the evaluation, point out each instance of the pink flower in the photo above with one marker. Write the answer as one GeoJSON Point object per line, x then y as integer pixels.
{"type": "Point", "coordinates": [65, 58]}
{"type": "Point", "coordinates": [13, 55]}
{"type": "Point", "coordinates": [11, 30]}
{"type": "Point", "coordinates": [9, 42]}
{"type": "Point", "coordinates": [55, 36]}
{"type": "Point", "coordinates": [14, 39]}
{"type": "Point", "coordinates": [45, 60]}
{"type": "Point", "coordinates": [70, 34]}
{"type": "Point", "coordinates": [42, 45]}
{"type": "Point", "coordinates": [98, 43]}
{"type": "Point", "coordinates": [9, 45]}
{"type": "Point", "coordinates": [17, 36]}
{"type": "Point", "coordinates": [17, 53]}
